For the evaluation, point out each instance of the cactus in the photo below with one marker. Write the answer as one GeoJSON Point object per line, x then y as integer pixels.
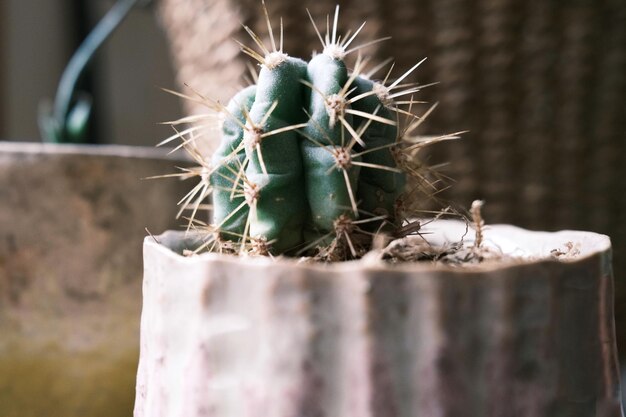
{"type": "Point", "coordinates": [312, 157]}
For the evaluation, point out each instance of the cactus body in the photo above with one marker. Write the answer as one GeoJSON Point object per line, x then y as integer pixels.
{"type": "Point", "coordinates": [312, 162]}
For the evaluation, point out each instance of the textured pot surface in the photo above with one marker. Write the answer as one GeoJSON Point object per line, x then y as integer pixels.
{"type": "Point", "coordinates": [226, 337]}
{"type": "Point", "coordinates": [71, 221]}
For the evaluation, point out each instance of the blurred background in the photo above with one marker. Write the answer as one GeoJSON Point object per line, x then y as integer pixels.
{"type": "Point", "coordinates": [539, 84]}
{"type": "Point", "coordinates": [37, 39]}
{"type": "Point", "coordinates": [72, 218]}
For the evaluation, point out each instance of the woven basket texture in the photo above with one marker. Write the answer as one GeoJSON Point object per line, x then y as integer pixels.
{"type": "Point", "coordinates": [540, 85]}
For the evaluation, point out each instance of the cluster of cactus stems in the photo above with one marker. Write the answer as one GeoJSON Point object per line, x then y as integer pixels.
{"type": "Point", "coordinates": [314, 158]}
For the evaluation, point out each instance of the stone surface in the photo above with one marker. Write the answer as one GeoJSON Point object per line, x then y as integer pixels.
{"type": "Point", "coordinates": [228, 337]}
{"type": "Point", "coordinates": [72, 219]}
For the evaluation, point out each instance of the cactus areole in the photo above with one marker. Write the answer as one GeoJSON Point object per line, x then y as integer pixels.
{"type": "Point", "coordinates": [313, 156]}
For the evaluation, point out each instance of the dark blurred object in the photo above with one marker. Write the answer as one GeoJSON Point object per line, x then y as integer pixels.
{"type": "Point", "coordinates": [68, 120]}
{"type": "Point", "coordinates": [541, 85]}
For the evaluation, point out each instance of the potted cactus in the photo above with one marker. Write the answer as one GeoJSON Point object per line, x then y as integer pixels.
{"type": "Point", "coordinates": [310, 300]}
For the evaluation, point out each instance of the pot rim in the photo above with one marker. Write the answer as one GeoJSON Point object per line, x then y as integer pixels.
{"type": "Point", "coordinates": [106, 150]}
{"type": "Point", "coordinates": [596, 245]}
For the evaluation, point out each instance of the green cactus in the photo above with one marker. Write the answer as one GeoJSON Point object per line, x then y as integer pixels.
{"type": "Point", "coordinates": [308, 158]}
{"type": "Point", "coordinates": [230, 211]}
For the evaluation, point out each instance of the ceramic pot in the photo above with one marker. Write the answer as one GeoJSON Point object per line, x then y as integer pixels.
{"type": "Point", "coordinates": [72, 219]}
{"type": "Point", "coordinates": [241, 337]}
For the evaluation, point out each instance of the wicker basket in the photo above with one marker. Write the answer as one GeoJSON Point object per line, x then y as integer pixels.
{"type": "Point", "coordinates": [541, 85]}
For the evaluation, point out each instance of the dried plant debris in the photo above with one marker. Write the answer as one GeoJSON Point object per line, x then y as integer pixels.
{"type": "Point", "coordinates": [416, 247]}
{"type": "Point", "coordinates": [571, 250]}
{"type": "Point", "coordinates": [316, 159]}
